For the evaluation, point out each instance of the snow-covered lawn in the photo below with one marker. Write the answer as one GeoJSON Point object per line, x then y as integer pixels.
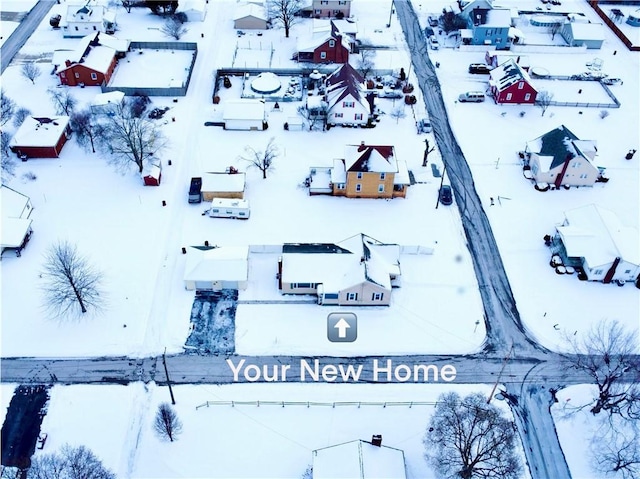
{"type": "Point", "coordinates": [150, 68]}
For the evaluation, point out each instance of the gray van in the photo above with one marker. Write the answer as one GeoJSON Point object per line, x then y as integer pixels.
{"type": "Point", "coordinates": [471, 96]}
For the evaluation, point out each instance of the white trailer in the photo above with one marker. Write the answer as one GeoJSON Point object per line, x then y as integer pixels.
{"type": "Point", "coordinates": [229, 208]}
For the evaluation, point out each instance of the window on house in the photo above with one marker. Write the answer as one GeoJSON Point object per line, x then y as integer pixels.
{"type": "Point", "coordinates": [94, 27]}
{"type": "Point", "coordinates": [62, 75]}
{"type": "Point", "coordinates": [381, 188]}
{"type": "Point", "coordinates": [324, 2]}
{"type": "Point", "coordinates": [583, 176]}
{"type": "Point", "coordinates": [627, 271]}
{"type": "Point", "coordinates": [488, 33]}
{"type": "Point", "coordinates": [509, 96]}
{"type": "Point", "coordinates": [382, 176]}
{"type": "Point", "coordinates": [598, 271]}
{"type": "Point", "coordinates": [358, 187]}
{"type": "Point", "coordinates": [377, 296]}
{"type": "Point", "coordinates": [323, 55]}
{"type": "Point", "coordinates": [359, 175]}
{"type": "Point", "coordinates": [358, 116]}
{"type": "Point", "coordinates": [338, 115]}
{"type": "Point", "coordinates": [77, 75]}
{"type": "Point", "coordinates": [341, 186]}
{"type": "Point", "coordinates": [304, 285]}
{"type": "Point", "coordinates": [348, 104]}
{"type": "Point", "coordinates": [520, 85]}
{"type": "Point", "coordinates": [94, 76]}
{"type": "Point", "coordinates": [342, 2]}
{"type": "Point", "coordinates": [352, 296]}
{"type": "Point", "coordinates": [527, 97]}
{"type": "Point", "coordinates": [76, 29]}
{"type": "Point", "coordinates": [317, 11]}
{"type": "Point", "coordinates": [332, 43]}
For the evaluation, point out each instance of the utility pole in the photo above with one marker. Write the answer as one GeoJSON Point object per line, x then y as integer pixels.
{"type": "Point", "coordinates": [504, 364]}
{"type": "Point", "coordinates": [166, 372]}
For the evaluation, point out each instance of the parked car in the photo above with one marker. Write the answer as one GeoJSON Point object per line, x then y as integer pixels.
{"type": "Point", "coordinates": [428, 31]}
{"type": "Point", "coordinates": [424, 126]}
{"type": "Point", "coordinates": [612, 81]}
{"type": "Point", "coordinates": [433, 43]}
{"type": "Point", "coordinates": [471, 96]}
{"type": "Point", "coordinates": [432, 20]}
{"type": "Point", "coordinates": [388, 93]}
{"type": "Point", "coordinates": [445, 196]}
{"type": "Point", "coordinates": [195, 190]}
{"type": "Point", "coordinates": [479, 68]}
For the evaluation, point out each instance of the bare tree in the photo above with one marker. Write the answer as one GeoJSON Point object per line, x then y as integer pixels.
{"type": "Point", "coordinates": [127, 4]}
{"type": "Point", "coordinates": [262, 159]}
{"type": "Point", "coordinates": [554, 28]}
{"type": "Point", "coordinates": [167, 424]}
{"type": "Point", "coordinates": [130, 139]}
{"type": "Point", "coordinates": [31, 71]}
{"type": "Point", "coordinates": [71, 284]}
{"type": "Point", "coordinates": [615, 449]}
{"type": "Point", "coordinates": [607, 353]}
{"type": "Point", "coordinates": [544, 100]}
{"type": "Point", "coordinates": [20, 115]}
{"type": "Point", "coordinates": [86, 128]}
{"type": "Point", "coordinates": [283, 13]}
{"type": "Point", "coordinates": [468, 438]}
{"type": "Point", "coordinates": [70, 463]}
{"type": "Point", "coordinates": [63, 101]}
{"type": "Point", "coordinates": [397, 113]}
{"type": "Point", "coordinates": [173, 28]}
{"type": "Point", "coordinates": [366, 63]}
{"type": "Point", "coordinates": [314, 117]}
{"type": "Point", "coordinates": [7, 162]}
{"type": "Point", "coordinates": [427, 150]}
{"type": "Point", "coordinates": [162, 7]}
{"type": "Point", "coordinates": [7, 106]}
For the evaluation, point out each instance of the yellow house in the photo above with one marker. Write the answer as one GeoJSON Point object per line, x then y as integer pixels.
{"type": "Point", "coordinates": [369, 171]}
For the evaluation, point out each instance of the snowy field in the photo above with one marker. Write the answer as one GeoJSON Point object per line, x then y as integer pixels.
{"type": "Point", "coordinates": [631, 32]}
{"type": "Point", "coordinates": [152, 69]}
{"type": "Point", "coordinates": [125, 231]}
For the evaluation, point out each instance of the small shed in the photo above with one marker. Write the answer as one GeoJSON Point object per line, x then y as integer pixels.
{"type": "Point", "coordinates": [578, 34]}
{"type": "Point", "coordinates": [106, 103]}
{"type": "Point", "coordinates": [213, 268]}
{"type": "Point", "coordinates": [152, 174]}
{"type": "Point", "coordinates": [245, 114]}
{"type": "Point", "coordinates": [16, 222]}
{"type": "Point", "coordinates": [350, 459]}
{"type": "Point", "coordinates": [223, 185]}
{"type": "Point", "coordinates": [250, 17]}
{"type": "Point", "coordinates": [41, 137]}
{"type": "Point", "coordinates": [195, 10]}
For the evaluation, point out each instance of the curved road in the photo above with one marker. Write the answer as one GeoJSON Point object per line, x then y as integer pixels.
{"type": "Point", "coordinates": [21, 34]}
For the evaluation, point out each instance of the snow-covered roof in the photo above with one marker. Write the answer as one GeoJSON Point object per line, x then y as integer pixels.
{"type": "Point", "coordinates": [91, 54]}
{"type": "Point", "coordinates": [402, 175]}
{"type": "Point", "coordinates": [250, 10]}
{"type": "Point", "coordinates": [85, 14]}
{"type": "Point", "coordinates": [244, 109]}
{"type": "Point", "coordinates": [225, 263]}
{"type": "Point", "coordinates": [586, 31]}
{"type": "Point", "coordinates": [59, 56]}
{"type": "Point", "coordinates": [338, 172]}
{"type": "Point", "coordinates": [13, 231]}
{"type": "Point", "coordinates": [598, 236]}
{"type": "Point", "coordinates": [40, 131]}
{"type": "Point", "coordinates": [229, 203]}
{"type": "Point", "coordinates": [152, 170]}
{"type": "Point", "coordinates": [118, 44]}
{"type": "Point", "coordinates": [558, 145]}
{"type": "Point", "coordinates": [370, 158]}
{"type": "Point", "coordinates": [358, 460]}
{"type": "Point", "coordinates": [223, 182]}
{"type": "Point", "coordinates": [323, 31]}
{"type": "Point", "coordinates": [343, 83]}
{"type": "Point", "coordinates": [14, 204]}
{"type": "Point", "coordinates": [507, 74]}
{"type": "Point", "coordinates": [498, 17]}
{"type": "Point", "coordinates": [109, 98]}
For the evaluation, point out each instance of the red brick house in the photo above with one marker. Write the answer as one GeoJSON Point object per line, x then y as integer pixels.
{"type": "Point", "coordinates": [325, 45]}
{"type": "Point", "coordinates": [89, 64]}
{"type": "Point", "coordinates": [510, 83]}
{"type": "Point", "coordinates": [40, 137]}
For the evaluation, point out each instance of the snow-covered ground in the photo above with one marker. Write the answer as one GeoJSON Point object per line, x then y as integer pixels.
{"type": "Point", "coordinates": [124, 229]}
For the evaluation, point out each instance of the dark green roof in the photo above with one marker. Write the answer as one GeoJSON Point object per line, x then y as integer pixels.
{"type": "Point", "coordinates": [554, 144]}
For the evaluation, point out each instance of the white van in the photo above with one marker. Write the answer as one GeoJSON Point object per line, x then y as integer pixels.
{"type": "Point", "coordinates": [229, 208]}
{"type": "Point", "coordinates": [433, 43]}
{"type": "Point", "coordinates": [471, 96]}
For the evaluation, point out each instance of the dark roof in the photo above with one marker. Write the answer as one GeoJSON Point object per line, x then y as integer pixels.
{"type": "Point", "coordinates": [362, 163]}
{"type": "Point", "coordinates": [346, 73]}
{"type": "Point", "coordinates": [555, 144]}
{"type": "Point", "coordinates": [313, 248]}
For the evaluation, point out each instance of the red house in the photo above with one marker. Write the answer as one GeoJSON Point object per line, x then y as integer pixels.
{"type": "Point", "coordinates": [41, 137]}
{"type": "Point", "coordinates": [89, 64]}
{"type": "Point", "coordinates": [325, 45]}
{"type": "Point", "coordinates": [509, 83]}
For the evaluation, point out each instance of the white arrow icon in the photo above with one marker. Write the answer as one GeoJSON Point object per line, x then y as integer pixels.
{"type": "Point", "coordinates": [342, 326]}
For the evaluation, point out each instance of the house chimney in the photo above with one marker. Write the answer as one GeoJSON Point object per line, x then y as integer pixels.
{"type": "Point", "coordinates": [362, 147]}
{"type": "Point", "coordinates": [67, 63]}
{"type": "Point", "coordinates": [376, 440]}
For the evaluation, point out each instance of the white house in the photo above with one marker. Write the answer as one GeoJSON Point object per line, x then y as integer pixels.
{"type": "Point", "coordinates": [81, 20]}
{"type": "Point", "coordinates": [212, 268]}
{"type": "Point", "coordinates": [578, 34]}
{"type": "Point", "coordinates": [195, 10]}
{"type": "Point", "coordinates": [559, 158]}
{"type": "Point", "coordinates": [223, 185]}
{"type": "Point", "coordinates": [15, 216]}
{"type": "Point", "coordinates": [359, 460]}
{"type": "Point", "coordinates": [595, 240]}
{"type": "Point", "coordinates": [346, 100]}
{"type": "Point", "coordinates": [244, 114]}
{"type": "Point", "coordinates": [106, 103]}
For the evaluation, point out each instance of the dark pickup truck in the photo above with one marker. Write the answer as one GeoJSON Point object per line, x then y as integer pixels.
{"type": "Point", "coordinates": [195, 190]}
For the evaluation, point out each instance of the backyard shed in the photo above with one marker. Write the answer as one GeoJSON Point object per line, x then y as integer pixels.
{"type": "Point", "coordinates": [106, 103]}
{"type": "Point", "coordinates": [244, 114]}
{"type": "Point", "coordinates": [578, 34]}
{"type": "Point", "coordinates": [152, 174]}
{"type": "Point", "coordinates": [250, 17]}
{"type": "Point", "coordinates": [16, 222]}
{"type": "Point", "coordinates": [350, 459]}
{"type": "Point", "coordinates": [212, 268]}
{"type": "Point", "coordinates": [41, 137]}
{"type": "Point", "coordinates": [222, 185]}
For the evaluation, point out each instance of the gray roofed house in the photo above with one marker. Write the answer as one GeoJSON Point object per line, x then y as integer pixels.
{"type": "Point", "coordinates": [347, 103]}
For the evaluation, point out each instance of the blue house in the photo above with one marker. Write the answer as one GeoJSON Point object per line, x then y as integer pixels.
{"type": "Point", "coordinates": [487, 25]}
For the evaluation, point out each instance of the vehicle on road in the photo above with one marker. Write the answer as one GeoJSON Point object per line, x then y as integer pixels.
{"type": "Point", "coordinates": [424, 126]}
{"type": "Point", "coordinates": [445, 196]}
{"type": "Point", "coordinates": [195, 190]}
{"type": "Point", "coordinates": [432, 20]}
{"type": "Point", "coordinates": [612, 81]}
{"type": "Point", "coordinates": [389, 93]}
{"type": "Point", "coordinates": [433, 43]}
{"type": "Point", "coordinates": [471, 96]}
{"type": "Point", "coordinates": [479, 68]}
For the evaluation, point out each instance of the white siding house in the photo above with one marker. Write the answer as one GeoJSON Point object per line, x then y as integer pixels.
{"type": "Point", "coordinates": [212, 268]}
{"type": "Point", "coordinates": [82, 20]}
{"type": "Point", "coordinates": [244, 114]}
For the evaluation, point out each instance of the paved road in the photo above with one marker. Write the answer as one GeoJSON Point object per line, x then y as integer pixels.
{"type": "Point", "coordinates": [21, 34]}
